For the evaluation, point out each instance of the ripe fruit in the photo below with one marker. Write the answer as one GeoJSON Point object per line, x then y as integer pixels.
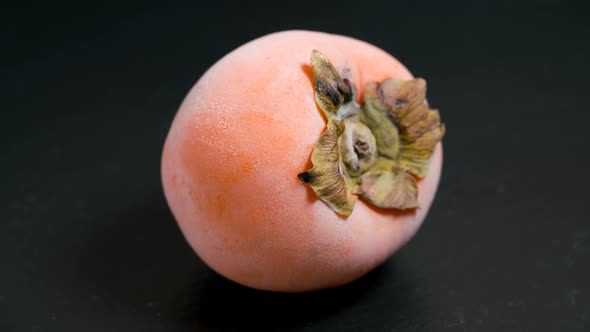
{"type": "Point", "coordinates": [246, 131]}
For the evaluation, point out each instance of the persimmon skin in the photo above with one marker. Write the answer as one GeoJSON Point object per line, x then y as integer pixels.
{"type": "Point", "coordinates": [231, 159]}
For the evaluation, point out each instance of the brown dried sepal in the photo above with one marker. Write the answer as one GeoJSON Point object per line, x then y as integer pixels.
{"type": "Point", "coordinates": [376, 150]}
{"type": "Point", "coordinates": [324, 177]}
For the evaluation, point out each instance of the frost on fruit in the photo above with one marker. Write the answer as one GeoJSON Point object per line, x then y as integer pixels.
{"type": "Point", "coordinates": [376, 150]}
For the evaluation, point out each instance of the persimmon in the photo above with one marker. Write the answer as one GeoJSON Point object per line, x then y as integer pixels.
{"type": "Point", "coordinates": [302, 160]}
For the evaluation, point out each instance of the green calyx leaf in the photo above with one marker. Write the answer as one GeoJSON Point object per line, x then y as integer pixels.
{"type": "Point", "coordinates": [394, 188]}
{"type": "Point", "coordinates": [420, 127]}
{"type": "Point", "coordinates": [324, 177]}
{"type": "Point", "coordinates": [334, 95]}
{"type": "Point", "coordinates": [379, 121]}
{"type": "Point", "coordinates": [376, 150]}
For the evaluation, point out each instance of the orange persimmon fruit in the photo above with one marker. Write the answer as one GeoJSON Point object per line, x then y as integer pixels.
{"type": "Point", "coordinates": [232, 157]}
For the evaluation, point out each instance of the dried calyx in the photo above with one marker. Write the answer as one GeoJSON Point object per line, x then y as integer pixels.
{"type": "Point", "coordinates": [376, 150]}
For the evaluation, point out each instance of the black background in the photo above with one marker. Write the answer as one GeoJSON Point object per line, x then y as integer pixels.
{"type": "Point", "coordinates": [87, 242]}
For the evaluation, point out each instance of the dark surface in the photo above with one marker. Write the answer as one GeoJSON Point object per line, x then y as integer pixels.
{"type": "Point", "coordinates": [87, 242]}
